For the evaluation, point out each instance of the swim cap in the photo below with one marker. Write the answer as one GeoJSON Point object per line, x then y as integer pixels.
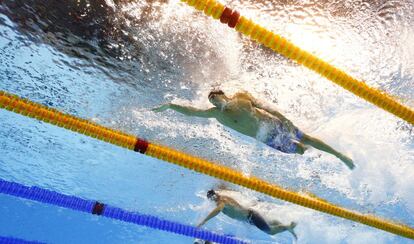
{"type": "Point", "coordinates": [210, 194]}
{"type": "Point", "coordinates": [215, 92]}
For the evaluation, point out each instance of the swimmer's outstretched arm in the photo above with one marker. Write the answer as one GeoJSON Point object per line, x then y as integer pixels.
{"type": "Point", "coordinates": [187, 110]}
{"type": "Point", "coordinates": [213, 214]}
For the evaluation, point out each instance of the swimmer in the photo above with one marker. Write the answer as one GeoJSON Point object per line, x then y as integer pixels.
{"type": "Point", "coordinates": [243, 113]}
{"type": "Point", "coordinates": [245, 212]}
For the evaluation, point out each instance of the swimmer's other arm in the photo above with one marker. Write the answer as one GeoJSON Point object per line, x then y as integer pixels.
{"type": "Point", "coordinates": [187, 110]}
{"type": "Point", "coordinates": [213, 214]}
{"type": "Point", "coordinates": [260, 105]}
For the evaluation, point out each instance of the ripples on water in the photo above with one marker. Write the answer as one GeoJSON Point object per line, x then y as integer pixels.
{"type": "Point", "coordinates": [113, 60]}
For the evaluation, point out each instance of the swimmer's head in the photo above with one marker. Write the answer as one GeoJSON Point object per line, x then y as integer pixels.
{"type": "Point", "coordinates": [217, 98]}
{"type": "Point", "coordinates": [211, 194]}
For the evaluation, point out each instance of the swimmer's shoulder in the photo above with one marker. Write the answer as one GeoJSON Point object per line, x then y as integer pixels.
{"type": "Point", "coordinates": [243, 95]}
{"type": "Point", "coordinates": [239, 103]}
{"type": "Point", "coordinates": [230, 201]}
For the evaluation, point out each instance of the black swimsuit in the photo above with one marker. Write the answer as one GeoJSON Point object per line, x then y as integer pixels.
{"type": "Point", "coordinates": [256, 219]}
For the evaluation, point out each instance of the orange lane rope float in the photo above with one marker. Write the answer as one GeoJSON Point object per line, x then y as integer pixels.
{"type": "Point", "coordinates": [34, 110]}
{"type": "Point", "coordinates": [286, 48]}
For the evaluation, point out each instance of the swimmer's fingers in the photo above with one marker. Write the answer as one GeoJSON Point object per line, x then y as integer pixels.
{"type": "Point", "coordinates": [161, 108]}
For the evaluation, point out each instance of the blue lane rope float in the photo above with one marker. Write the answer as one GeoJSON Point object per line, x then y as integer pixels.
{"type": "Point", "coordinates": [97, 208]}
{"type": "Point", "coordinates": [12, 240]}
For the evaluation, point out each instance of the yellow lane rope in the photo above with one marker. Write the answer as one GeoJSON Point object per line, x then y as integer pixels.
{"type": "Point", "coordinates": [286, 48]}
{"type": "Point", "coordinates": [34, 110]}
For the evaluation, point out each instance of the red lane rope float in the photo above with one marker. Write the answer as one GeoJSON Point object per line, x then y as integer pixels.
{"type": "Point", "coordinates": [141, 146]}
{"type": "Point", "coordinates": [281, 45]}
{"type": "Point", "coordinates": [34, 110]}
{"type": "Point", "coordinates": [229, 17]}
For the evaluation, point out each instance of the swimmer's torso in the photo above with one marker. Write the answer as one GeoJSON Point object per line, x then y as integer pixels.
{"type": "Point", "coordinates": [235, 213]}
{"type": "Point", "coordinates": [234, 209]}
{"type": "Point", "coordinates": [240, 115]}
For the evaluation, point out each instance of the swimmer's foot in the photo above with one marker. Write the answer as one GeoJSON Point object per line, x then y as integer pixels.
{"type": "Point", "coordinates": [199, 241]}
{"type": "Point", "coordinates": [301, 148]}
{"type": "Point", "coordinates": [349, 163]}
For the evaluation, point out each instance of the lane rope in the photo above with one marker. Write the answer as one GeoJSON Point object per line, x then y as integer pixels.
{"type": "Point", "coordinates": [289, 50]}
{"type": "Point", "coordinates": [34, 110]}
{"type": "Point", "coordinates": [93, 207]}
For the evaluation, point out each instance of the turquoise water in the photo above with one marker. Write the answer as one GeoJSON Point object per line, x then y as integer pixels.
{"type": "Point", "coordinates": [115, 76]}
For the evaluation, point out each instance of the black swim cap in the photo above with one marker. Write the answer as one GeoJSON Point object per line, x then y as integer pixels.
{"type": "Point", "coordinates": [215, 92]}
{"type": "Point", "coordinates": [210, 194]}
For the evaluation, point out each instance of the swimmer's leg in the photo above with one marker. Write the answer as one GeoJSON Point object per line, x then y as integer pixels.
{"type": "Point", "coordinates": [279, 227]}
{"type": "Point", "coordinates": [318, 144]}
{"type": "Point", "coordinates": [276, 227]}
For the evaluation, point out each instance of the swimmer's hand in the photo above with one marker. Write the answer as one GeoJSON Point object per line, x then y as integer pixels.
{"type": "Point", "coordinates": [162, 108]}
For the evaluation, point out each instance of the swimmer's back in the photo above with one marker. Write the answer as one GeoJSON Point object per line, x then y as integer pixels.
{"type": "Point", "coordinates": [233, 207]}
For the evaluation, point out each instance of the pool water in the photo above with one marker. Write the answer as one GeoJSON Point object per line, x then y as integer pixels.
{"type": "Point", "coordinates": [112, 61]}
